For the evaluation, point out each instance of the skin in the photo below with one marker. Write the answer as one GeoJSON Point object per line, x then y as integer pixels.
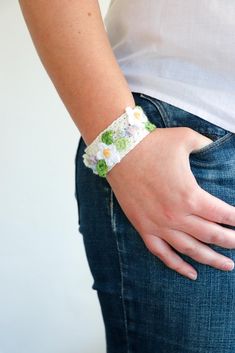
{"type": "Point", "coordinates": [72, 43]}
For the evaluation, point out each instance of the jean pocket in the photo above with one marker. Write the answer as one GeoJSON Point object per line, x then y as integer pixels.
{"type": "Point", "coordinates": [173, 116]}
{"type": "Point", "coordinates": [218, 141]}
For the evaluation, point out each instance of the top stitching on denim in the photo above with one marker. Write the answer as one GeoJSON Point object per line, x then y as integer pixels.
{"type": "Point", "coordinates": [113, 223]}
{"type": "Point", "coordinates": [213, 145]}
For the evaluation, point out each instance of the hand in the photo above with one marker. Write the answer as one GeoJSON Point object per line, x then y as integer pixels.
{"type": "Point", "coordinates": [161, 198]}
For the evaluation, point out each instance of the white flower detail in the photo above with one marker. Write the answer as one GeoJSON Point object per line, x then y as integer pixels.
{"type": "Point", "coordinates": [109, 153]}
{"type": "Point", "coordinates": [136, 116]}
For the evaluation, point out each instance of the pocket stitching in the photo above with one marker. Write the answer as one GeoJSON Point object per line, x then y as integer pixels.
{"type": "Point", "coordinates": [213, 144]}
{"type": "Point", "coordinates": [165, 119]}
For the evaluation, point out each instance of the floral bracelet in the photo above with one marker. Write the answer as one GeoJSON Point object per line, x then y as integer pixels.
{"type": "Point", "coordinates": [113, 143]}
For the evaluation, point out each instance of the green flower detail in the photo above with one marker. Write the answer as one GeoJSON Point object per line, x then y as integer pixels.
{"type": "Point", "coordinates": [107, 137]}
{"type": "Point", "coordinates": [149, 126]}
{"type": "Point", "coordinates": [102, 168]}
{"type": "Point", "coordinates": [121, 143]}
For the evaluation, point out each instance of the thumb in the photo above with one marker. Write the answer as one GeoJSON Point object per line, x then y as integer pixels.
{"type": "Point", "coordinates": [200, 141]}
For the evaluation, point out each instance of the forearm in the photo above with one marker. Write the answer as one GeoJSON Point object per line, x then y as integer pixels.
{"type": "Point", "coordinates": [72, 43]}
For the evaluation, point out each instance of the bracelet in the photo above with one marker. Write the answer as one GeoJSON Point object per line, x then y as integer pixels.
{"type": "Point", "coordinates": [113, 143]}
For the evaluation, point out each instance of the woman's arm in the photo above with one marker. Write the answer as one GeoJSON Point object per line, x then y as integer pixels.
{"type": "Point", "coordinates": [73, 45]}
{"type": "Point", "coordinates": [159, 194]}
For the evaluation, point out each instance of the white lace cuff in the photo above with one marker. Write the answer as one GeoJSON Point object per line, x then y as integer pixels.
{"type": "Point", "coordinates": [113, 143]}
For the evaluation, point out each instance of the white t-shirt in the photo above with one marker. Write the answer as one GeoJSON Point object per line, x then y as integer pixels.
{"type": "Point", "coordinates": [182, 52]}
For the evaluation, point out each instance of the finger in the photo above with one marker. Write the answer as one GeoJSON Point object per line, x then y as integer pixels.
{"type": "Point", "coordinates": [207, 231]}
{"type": "Point", "coordinates": [214, 209]}
{"type": "Point", "coordinates": [198, 251]}
{"type": "Point", "coordinates": [164, 252]}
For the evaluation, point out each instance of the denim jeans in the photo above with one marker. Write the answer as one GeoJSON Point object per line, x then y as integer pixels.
{"type": "Point", "coordinates": [146, 306]}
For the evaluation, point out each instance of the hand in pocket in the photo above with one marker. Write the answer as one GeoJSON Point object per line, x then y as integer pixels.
{"type": "Point", "coordinates": [159, 194]}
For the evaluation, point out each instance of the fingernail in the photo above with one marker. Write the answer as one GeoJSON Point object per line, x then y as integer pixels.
{"type": "Point", "coordinates": [192, 275]}
{"type": "Point", "coordinates": [228, 265]}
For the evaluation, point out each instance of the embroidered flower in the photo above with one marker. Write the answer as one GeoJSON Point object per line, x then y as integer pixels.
{"type": "Point", "coordinates": [102, 168]}
{"type": "Point", "coordinates": [149, 126]}
{"type": "Point", "coordinates": [136, 116]}
{"type": "Point", "coordinates": [121, 143]}
{"type": "Point", "coordinates": [88, 159]}
{"type": "Point", "coordinates": [108, 153]}
{"type": "Point", "coordinates": [131, 130]}
{"type": "Point", "coordinates": [107, 137]}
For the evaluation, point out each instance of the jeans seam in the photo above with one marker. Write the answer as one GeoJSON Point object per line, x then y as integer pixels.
{"type": "Point", "coordinates": [114, 227]}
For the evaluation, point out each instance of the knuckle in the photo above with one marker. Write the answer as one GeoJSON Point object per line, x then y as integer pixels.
{"type": "Point", "coordinates": [168, 263]}
{"type": "Point", "coordinates": [190, 250]}
{"type": "Point", "coordinates": [169, 214]}
{"type": "Point", "coordinates": [215, 238]}
{"type": "Point", "coordinates": [153, 249]}
{"type": "Point", "coordinates": [161, 254]}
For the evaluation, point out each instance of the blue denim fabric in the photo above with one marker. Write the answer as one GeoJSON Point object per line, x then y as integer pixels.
{"type": "Point", "coordinates": [146, 306]}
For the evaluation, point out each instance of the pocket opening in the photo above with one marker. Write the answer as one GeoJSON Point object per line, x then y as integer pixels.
{"type": "Point", "coordinates": [218, 140]}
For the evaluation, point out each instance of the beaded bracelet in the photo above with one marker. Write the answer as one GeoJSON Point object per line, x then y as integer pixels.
{"type": "Point", "coordinates": [113, 143]}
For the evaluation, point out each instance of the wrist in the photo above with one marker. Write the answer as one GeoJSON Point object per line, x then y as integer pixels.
{"type": "Point", "coordinates": [117, 140]}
